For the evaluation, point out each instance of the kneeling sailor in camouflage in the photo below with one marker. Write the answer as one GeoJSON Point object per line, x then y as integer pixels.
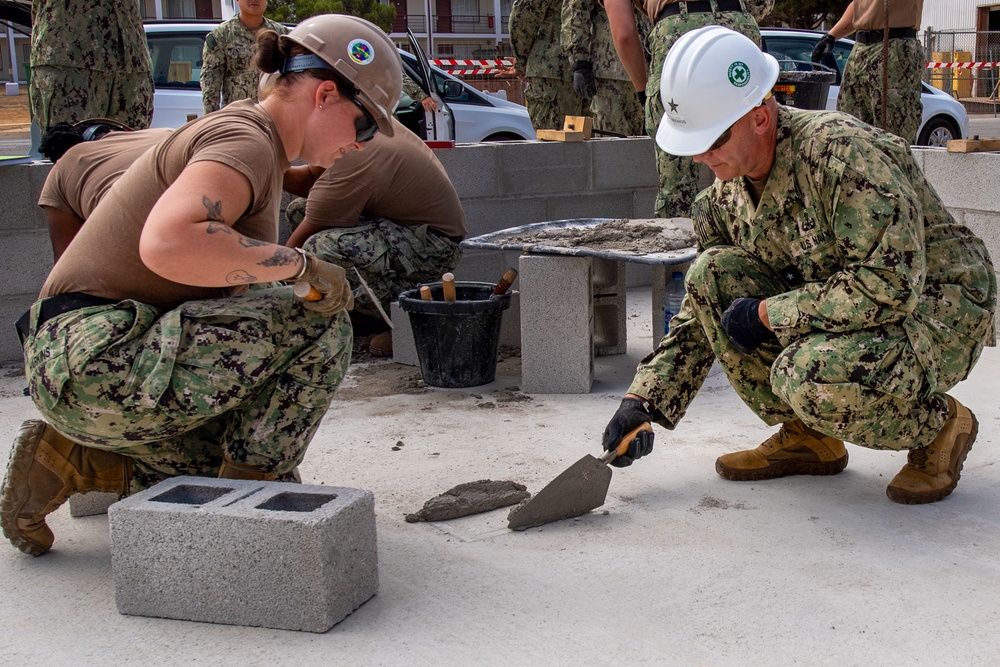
{"type": "Point", "coordinates": [147, 354]}
{"type": "Point", "coordinates": [837, 293]}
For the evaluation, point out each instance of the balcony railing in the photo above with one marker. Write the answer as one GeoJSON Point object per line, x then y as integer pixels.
{"type": "Point", "coordinates": [480, 24]}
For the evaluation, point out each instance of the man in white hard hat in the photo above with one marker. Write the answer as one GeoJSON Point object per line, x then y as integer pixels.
{"type": "Point", "coordinates": [837, 293]}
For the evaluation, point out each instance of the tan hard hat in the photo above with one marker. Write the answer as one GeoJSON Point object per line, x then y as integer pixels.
{"type": "Point", "coordinates": [360, 52]}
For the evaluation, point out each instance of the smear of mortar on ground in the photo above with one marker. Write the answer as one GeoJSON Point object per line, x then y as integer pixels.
{"type": "Point", "coordinates": [470, 498]}
{"type": "Point", "coordinates": [642, 237]}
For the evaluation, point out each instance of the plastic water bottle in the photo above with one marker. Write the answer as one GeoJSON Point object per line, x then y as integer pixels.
{"type": "Point", "coordinates": [672, 299]}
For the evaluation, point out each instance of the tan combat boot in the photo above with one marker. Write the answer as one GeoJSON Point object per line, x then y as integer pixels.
{"type": "Point", "coordinates": [794, 450]}
{"type": "Point", "coordinates": [232, 470]}
{"type": "Point", "coordinates": [381, 344]}
{"type": "Point", "coordinates": [932, 472]}
{"type": "Point", "coordinates": [44, 470]}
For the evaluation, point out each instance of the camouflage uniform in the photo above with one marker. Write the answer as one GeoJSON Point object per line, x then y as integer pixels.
{"type": "Point", "coordinates": [879, 300]}
{"type": "Point", "coordinates": [391, 258]}
{"type": "Point", "coordinates": [679, 175]}
{"type": "Point", "coordinates": [759, 8]}
{"type": "Point", "coordinates": [227, 69]}
{"type": "Point", "coordinates": [861, 87]}
{"type": "Point", "coordinates": [534, 35]}
{"type": "Point", "coordinates": [249, 376]}
{"type": "Point", "coordinates": [413, 89]}
{"type": "Point", "coordinates": [89, 60]}
{"type": "Point", "coordinates": [586, 35]}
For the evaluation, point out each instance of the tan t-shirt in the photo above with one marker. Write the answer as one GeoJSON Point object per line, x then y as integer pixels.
{"type": "Point", "coordinates": [103, 259]}
{"type": "Point", "coordinates": [870, 14]}
{"type": "Point", "coordinates": [396, 177]}
{"type": "Point", "coordinates": [79, 180]}
{"type": "Point", "coordinates": [652, 8]}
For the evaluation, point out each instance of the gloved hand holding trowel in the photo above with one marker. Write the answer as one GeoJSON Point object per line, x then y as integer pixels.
{"type": "Point", "coordinates": [630, 416]}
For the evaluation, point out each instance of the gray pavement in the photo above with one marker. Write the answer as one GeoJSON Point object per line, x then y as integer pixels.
{"type": "Point", "coordinates": [987, 126]}
{"type": "Point", "coordinates": [680, 568]}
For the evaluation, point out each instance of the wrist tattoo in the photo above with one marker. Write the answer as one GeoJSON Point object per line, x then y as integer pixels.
{"type": "Point", "coordinates": [282, 257]}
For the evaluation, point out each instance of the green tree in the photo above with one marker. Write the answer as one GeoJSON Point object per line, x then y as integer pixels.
{"type": "Point", "coordinates": [808, 14]}
{"type": "Point", "coordinates": [294, 11]}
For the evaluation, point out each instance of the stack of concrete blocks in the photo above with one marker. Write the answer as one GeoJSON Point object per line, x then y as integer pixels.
{"type": "Point", "coordinates": [262, 554]}
{"type": "Point", "coordinates": [610, 313]}
{"type": "Point", "coordinates": [557, 324]}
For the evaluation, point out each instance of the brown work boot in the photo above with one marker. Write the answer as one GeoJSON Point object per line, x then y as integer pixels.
{"type": "Point", "coordinates": [44, 470]}
{"type": "Point", "coordinates": [232, 470]}
{"type": "Point", "coordinates": [381, 344]}
{"type": "Point", "coordinates": [794, 450]}
{"type": "Point", "coordinates": [932, 472]}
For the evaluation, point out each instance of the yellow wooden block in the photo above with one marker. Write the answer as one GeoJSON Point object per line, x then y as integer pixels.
{"type": "Point", "coordinates": [584, 124]}
{"type": "Point", "coordinates": [973, 145]}
{"type": "Point", "coordinates": [559, 135]}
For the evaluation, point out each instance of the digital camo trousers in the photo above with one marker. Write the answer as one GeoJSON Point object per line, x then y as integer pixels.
{"type": "Point", "coordinates": [391, 258]}
{"type": "Point", "coordinates": [549, 101]}
{"type": "Point", "coordinates": [616, 108]}
{"type": "Point", "coordinates": [679, 175]}
{"type": "Point", "coordinates": [249, 376]}
{"type": "Point", "coordinates": [861, 89]}
{"type": "Point", "coordinates": [866, 387]}
{"type": "Point", "coordinates": [69, 94]}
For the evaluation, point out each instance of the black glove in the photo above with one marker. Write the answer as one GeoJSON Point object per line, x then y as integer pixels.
{"type": "Point", "coordinates": [583, 79]}
{"type": "Point", "coordinates": [823, 48]}
{"type": "Point", "coordinates": [743, 326]}
{"type": "Point", "coordinates": [641, 94]}
{"type": "Point", "coordinates": [630, 416]}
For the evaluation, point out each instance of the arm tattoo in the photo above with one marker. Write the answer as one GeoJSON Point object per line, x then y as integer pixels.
{"type": "Point", "coordinates": [240, 277]}
{"type": "Point", "coordinates": [248, 242]}
{"type": "Point", "coordinates": [213, 211]}
{"type": "Point", "coordinates": [217, 228]}
{"type": "Point", "coordinates": [281, 257]}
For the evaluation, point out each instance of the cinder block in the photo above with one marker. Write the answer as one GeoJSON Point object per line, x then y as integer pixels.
{"type": "Point", "coordinates": [263, 554]}
{"type": "Point", "coordinates": [610, 313]}
{"type": "Point", "coordinates": [91, 504]}
{"type": "Point", "coordinates": [557, 333]}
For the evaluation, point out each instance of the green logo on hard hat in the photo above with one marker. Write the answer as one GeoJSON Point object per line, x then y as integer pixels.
{"type": "Point", "coordinates": [739, 74]}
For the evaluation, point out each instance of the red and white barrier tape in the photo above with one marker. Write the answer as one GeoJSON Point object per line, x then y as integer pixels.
{"type": "Point", "coordinates": [471, 63]}
{"type": "Point", "coordinates": [979, 65]}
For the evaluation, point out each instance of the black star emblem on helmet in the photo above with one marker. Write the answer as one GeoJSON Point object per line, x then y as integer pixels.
{"type": "Point", "coordinates": [673, 105]}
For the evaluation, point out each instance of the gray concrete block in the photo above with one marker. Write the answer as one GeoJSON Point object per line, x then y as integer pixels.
{"type": "Point", "coordinates": [622, 164]}
{"type": "Point", "coordinates": [491, 215]}
{"type": "Point", "coordinates": [589, 205]}
{"type": "Point", "coordinates": [544, 168]}
{"type": "Point", "coordinates": [262, 554]}
{"type": "Point", "coordinates": [91, 504]}
{"type": "Point", "coordinates": [610, 313]}
{"type": "Point", "coordinates": [557, 334]}
{"type": "Point", "coordinates": [472, 169]}
{"type": "Point", "coordinates": [965, 180]}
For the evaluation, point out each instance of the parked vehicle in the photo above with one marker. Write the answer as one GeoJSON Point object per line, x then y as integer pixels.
{"type": "Point", "coordinates": [468, 115]}
{"type": "Point", "coordinates": [944, 117]}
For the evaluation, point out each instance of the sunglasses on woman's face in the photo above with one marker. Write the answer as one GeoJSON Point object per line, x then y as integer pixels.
{"type": "Point", "coordinates": [365, 127]}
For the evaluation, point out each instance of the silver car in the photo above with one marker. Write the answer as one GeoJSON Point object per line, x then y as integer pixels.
{"type": "Point", "coordinates": [944, 117]}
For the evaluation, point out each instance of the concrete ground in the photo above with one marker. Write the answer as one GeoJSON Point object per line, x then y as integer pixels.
{"type": "Point", "coordinates": [680, 567]}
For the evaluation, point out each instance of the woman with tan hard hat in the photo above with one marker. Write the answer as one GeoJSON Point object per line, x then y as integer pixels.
{"type": "Point", "coordinates": [147, 354]}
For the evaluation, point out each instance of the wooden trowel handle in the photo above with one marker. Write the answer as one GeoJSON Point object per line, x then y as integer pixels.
{"type": "Point", "coordinates": [611, 454]}
{"type": "Point", "coordinates": [304, 290]}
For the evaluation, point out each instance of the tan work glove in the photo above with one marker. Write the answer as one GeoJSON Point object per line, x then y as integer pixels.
{"type": "Point", "coordinates": [329, 281]}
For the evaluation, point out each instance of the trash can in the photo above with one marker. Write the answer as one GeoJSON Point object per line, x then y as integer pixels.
{"type": "Point", "coordinates": [807, 86]}
{"type": "Point", "coordinates": [457, 340]}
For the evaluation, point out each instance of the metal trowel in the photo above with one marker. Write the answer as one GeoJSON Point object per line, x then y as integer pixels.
{"type": "Point", "coordinates": [580, 488]}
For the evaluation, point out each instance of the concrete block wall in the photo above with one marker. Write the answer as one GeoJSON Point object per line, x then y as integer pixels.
{"type": "Point", "coordinates": [502, 185]}
{"type": "Point", "coordinates": [238, 552]}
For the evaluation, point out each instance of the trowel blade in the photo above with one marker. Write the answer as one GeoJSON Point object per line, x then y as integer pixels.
{"type": "Point", "coordinates": [365, 289]}
{"type": "Point", "coordinates": [580, 488]}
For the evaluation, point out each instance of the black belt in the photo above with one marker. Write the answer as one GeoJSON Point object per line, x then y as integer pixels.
{"type": "Point", "coordinates": [873, 36]}
{"type": "Point", "coordinates": [57, 305]}
{"type": "Point", "coordinates": [700, 7]}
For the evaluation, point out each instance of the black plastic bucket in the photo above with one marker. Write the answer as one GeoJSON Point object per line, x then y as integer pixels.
{"type": "Point", "coordinates": [457, 340]}
{"type": "Point", "coordinates": [804, 89]}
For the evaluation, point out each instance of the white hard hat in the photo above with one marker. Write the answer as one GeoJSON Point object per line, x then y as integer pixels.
{"type": "Point", "coordinates": [711, 77]}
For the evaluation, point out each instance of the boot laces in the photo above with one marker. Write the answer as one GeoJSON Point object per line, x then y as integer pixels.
{"type": "Point", "coordinates": [917, 458]}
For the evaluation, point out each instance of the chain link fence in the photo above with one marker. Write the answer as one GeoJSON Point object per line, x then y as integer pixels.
{"type": "Point", "coordinates": [963, 63]}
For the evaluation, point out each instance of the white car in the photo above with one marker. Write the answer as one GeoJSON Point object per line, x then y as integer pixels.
{"type": "Point", "coordinates": [944, 117]}
{"type": "Point", "coordinates": [469, 115]}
